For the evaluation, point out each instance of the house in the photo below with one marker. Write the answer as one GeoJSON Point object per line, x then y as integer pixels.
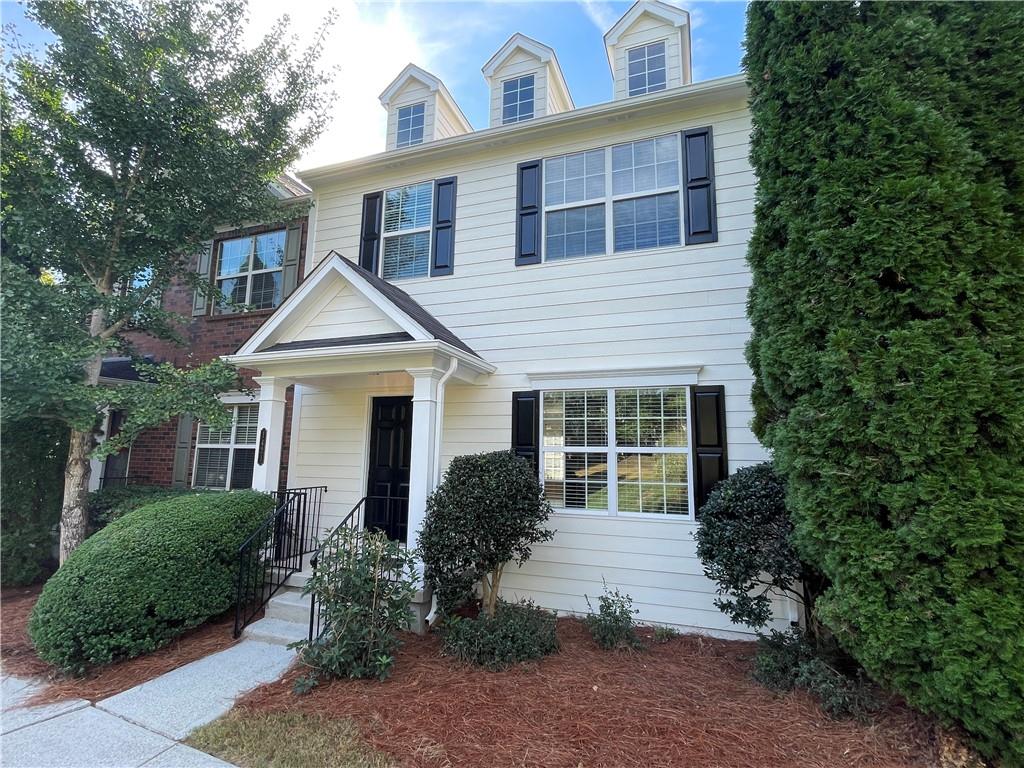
{"type": "Point", "coordinates": [569, 282]}
{"type": "Point", "coordinates": [258, 266]}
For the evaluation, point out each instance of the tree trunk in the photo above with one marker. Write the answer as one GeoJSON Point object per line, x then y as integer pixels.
{"type": "Point", "coordinates": [74, 515]}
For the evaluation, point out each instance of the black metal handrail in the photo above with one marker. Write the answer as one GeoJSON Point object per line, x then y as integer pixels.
{"type": "Point", "coordinates": [274, 551]}
{"type": "Point", "coordinates": [379, 513]}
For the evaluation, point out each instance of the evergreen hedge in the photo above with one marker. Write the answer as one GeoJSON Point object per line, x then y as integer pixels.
{"type": "Point", "coordinates": [888, 345]}
{"type": "Point", "coordinates": [145, 579]}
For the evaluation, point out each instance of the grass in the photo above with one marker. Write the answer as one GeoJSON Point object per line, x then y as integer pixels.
{"type": "Point", "coordinates": [287, 740]}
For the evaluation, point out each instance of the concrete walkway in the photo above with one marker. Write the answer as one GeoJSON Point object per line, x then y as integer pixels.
{"type": "Point", "coordinates": [143, 725]}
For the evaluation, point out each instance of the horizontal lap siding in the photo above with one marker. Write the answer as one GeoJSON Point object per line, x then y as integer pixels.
{"type": "Point", "coordinates": [667, 307]}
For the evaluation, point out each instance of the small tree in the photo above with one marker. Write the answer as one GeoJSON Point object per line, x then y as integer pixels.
{"type": "Point", "coordinates": [745, 542]}
{"type": "Point", "coordinates": [142, 128]}
{"type": "Point", "coordinates": [489, 511]}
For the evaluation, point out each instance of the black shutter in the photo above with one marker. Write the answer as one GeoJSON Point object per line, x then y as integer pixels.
{"type": "Point", "coordinates": [443, 236]}
{"type": "Point", "coordinates": [528, 192]}
{"type": "Point", "coordinates": [526, 426]}
{"type": "Point", "coordinates": [369, 241]}
{"type": "Point", "coordinates": [710, 461]}
{"type": "Point", "coordinates": [701, 217]}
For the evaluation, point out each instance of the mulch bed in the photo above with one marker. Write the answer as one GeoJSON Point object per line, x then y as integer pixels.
{"type": "Point", "coordinates": [687, 702]}
{"type": "Point", "coordinates": [19, 658]}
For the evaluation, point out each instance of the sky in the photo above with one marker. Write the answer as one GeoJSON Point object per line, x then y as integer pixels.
{"type": "Point", "coordinates": [372, 41]}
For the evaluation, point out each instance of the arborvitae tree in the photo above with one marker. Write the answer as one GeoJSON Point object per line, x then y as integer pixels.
{"type": "Point", "coordinates": [888, 346]}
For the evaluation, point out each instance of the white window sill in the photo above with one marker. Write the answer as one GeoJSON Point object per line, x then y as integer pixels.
{"type": "Point", "coordinates": [653, 517]}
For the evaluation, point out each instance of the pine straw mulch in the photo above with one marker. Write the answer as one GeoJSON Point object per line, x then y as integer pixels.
{"type": "Point", "coordinates": [687, 702]}
{"type": "Point", "coordinates": [19, 658]}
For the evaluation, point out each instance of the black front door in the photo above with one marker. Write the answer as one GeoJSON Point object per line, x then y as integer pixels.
{"type": "Point", "coordinates": [387, 487]}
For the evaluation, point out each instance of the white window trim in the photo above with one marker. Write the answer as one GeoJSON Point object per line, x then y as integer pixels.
{"type": "Point", "coordinates": [609, 201]}
{"type": "Point", "coordinates": [219, 310]}
{"type": "Point", "coordinates": [611, 450]}
{"type": "Point", "coordinates": [231, 401]}
{"type": "Point", "coordinates": [629, 95]}
{"type": "Point", "coordinates": [398, 117]}
{"type": "Point", "coordinates": [533, 101]}
{"type": "Point", "coordinates": [384, 236]}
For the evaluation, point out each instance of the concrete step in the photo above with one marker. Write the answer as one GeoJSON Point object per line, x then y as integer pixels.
{"type": "Point", "coordinates": [298, 580]}
{"type": "Point", "coordinates": [276, 631]}
{"type": "Point", "coordinates": [289, 605]}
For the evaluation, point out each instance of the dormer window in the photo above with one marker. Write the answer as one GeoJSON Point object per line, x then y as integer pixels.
{"type": "Point", "coordinates": [517, 100]}
{"type": "Point", "coordinates": [410, 125]}
{"type": "Point", "coordinates": [647, 68]}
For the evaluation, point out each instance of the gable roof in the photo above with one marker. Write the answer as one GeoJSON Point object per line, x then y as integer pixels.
{"type": "Point", "coordinates": [545, 53]}
{"type": "Point", "coordinates": [412, 72]}
{"type": "Point", "coordinates": [415, 322]}
{"type": "Point", "coordinates": [670, 14]}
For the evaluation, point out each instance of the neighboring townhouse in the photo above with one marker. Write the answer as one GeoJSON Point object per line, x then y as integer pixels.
{"type": "Point", "coordinates": [570, 282]}
{"type": "Point", "coordinates": [258, 266]}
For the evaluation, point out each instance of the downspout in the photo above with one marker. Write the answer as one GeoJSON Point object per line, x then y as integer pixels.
{"type": "Point", "coordinates": [438, 426]}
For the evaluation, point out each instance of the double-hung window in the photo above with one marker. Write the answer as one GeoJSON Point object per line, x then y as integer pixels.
{"type": "Point", "coordinates": [517, 100]}
{"type": "Point", "coordinates": [249, 271]}
{"type": "Point", "coordinates": [225, 457]}
{"type": "Point", "coordinates": [645, 190]}
{"type": "Point", "coordinates": [646, 65]}
{"type": "Point", "coordinates": [574, 204]}
{"type": "Point", "coordinates": [410, 125]}
{"type": "Point", "coordinates": [637, 183]}
{"type": "Point", "coordinates": [407, 219]}
{"type": "Point", "coordinates": [617, 451]}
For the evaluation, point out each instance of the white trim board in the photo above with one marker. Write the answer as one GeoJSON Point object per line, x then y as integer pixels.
{"type": "Point", "coordinates": [621, 378]}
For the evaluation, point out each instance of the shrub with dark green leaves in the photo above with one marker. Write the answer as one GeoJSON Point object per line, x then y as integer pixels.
{"type": "Point", "coordinates": [487, 512]}
{"type": "Point", "coordinates": [145, 578]}
{"type": "Point", "coordinates": [612, 626]}
{"type": "Point", "coordinates": [887, 308]}
{"type": "Point", "coordinates": [109, 504]}
{"type": "Point", "coordinates": [788, 660]}
{"type": "Point", "coordinates": [517, 632]}
{"type": "Point", "coordinates": [364, 584]}
{"type": "Point", "coordinates": [745, 541]}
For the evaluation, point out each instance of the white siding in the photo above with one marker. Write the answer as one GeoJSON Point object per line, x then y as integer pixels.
{"type": "Point", "coordinates": [673, 306]}
{"type": "Point", "coordinates": [341, 312]}
{"type": "Point", "coordinates": [648, 29]}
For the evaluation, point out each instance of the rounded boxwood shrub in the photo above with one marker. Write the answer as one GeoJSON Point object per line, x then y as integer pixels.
{"type": "Point", "coordinates": [109, 504]}
{"type": "Point", "coordinates": [145, 578]}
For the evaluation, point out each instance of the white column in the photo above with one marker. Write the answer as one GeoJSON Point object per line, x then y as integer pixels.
{"type": "Point", "coordinates": [423, 456]}
{"type": "Point", "coordinates": [266, 474]}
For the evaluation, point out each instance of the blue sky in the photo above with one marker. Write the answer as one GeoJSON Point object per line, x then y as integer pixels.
{"type": "Point", "coordinates": [373, 41]}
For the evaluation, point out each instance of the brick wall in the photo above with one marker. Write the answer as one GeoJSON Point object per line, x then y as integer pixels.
{"type": "Point", "coordinates": [209, 336]}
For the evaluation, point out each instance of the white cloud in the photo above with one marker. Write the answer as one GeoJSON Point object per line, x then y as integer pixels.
{"type": "Point", "coordinates": [601, 13]}
{"type": "Point", "coordinates": [367, 46]}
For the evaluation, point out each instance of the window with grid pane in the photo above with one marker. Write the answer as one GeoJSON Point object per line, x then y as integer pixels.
{"type": "Point", "coordinates": [616, 450]}
{"type": "Point", "coordinates": [574, 225]}
{"type": "Point", "coordinates": [640, 219]}
{"type": "Point", "coordinates": [517, 100]}
{"type": "Point", "coordinates": [407, 218]}
{"type": "Point", "coordinates": [410, 125]}
{"type": "Point", "coordinates": [646, 68]}
{"type": "Point", "coordinates": [225, 457]}
{"type": "Point", "coordinates": [248, 271]}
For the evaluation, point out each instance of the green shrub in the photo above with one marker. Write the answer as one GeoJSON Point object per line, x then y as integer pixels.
{"type": "Point", "coordinates": [788, 660]}
{"type": "Point", "coordinates": [145, 579]}
{"type": "Point", "coordinates": [488, 511]}
{"type": "Point", "coordinates": [745, 543]}
{"type": "Point", "coordinates": [664, 634]}
{"type": "Point", "coordinates": [364, 584]}
{"type": "Point", "coordinates": [887, 309]}
{"type": "Point", "coordinates": [612, 626]}
{"type": "Point", "coordinates": [32, 458]}
{"type": "Point", "coordinates": [517, 632]}
{"type": "Point", "coordinates": [109, 504]}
